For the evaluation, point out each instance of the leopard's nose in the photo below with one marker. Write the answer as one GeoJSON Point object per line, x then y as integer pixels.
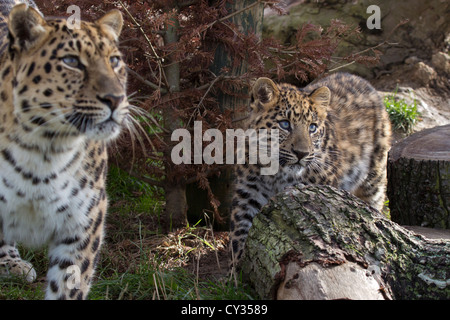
{"type": "Point", "coordinates": [300, 154]}
{"type": "Point", "coordinates": [111, 101]}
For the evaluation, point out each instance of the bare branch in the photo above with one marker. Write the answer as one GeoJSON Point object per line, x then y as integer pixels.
{"type": "Point", "coordinates": [208, 173]}
{"type": "Point", "coordinates": [145, 81]}
{"type": "Point", "coordinates": [187, 3]}
{"type": "Point", "coordinates": [138, 25]}
{"type": "Point", "coordinates": [342, 66]}
{"type": "Point", "coordinates": [203, 98]}
{"type": "Point", "coordinates": [153, 182]}
{"type": "Point", "coordinates": [405, 21]}
{"type": "Point", "coordinates": [233, 14]}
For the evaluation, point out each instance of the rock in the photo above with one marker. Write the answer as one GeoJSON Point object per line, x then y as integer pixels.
{"type": "Point", "coordinates": [428, 29]}
{"type": "Point", "coordinates": [394, 56]}
{"type": "Point", "coordinates": [434, 110]}
{"type": "Point", "coordinates": [412, 60]}
{"type": "Point", "coordinates": [424, 73]}
{"type": "Point", "coordinates": [447, 42]}
{"type": "Point", "coordinates": [441, 62]}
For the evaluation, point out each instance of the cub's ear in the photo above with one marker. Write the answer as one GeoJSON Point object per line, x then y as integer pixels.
{"type": "Point", "coordinates": [265, 93]}
{"type": "Point", "coordinates": [321, 96]}
{"type": "Point", "coordinates": [112, 23]}
{"type": "Point", "coordinates": [27, 27]}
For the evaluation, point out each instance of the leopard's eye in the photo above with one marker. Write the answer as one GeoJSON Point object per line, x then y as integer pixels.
{"type": "Point", "coordinates": [115, 61]}
{"type": "Point", "coordinates": [313, 128]}
{"type": "Point", "coordinates": [73, 62]}
{"type": "Point", "coordinates": [284, 124]}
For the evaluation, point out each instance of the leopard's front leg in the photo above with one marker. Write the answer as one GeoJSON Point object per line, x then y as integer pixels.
{"type": "Point", "coordinates": [73, 261]}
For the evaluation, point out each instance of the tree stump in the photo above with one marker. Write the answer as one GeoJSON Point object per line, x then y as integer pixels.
{"type": "Point", "coordinates": [318, 242]}
{"type": "Point", "coordinates": [419, 179]}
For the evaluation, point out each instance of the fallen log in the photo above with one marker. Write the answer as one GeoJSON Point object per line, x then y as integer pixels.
{"type": "Point", "coordinates": [419, 179]}
{"type": "Point", "coordinates": [318, 242]}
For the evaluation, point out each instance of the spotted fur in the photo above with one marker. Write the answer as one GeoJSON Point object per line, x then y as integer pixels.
{"type": "Point", "coordinates": [62, 99]}
{"type": "Point", "coordinates": [332, 132]}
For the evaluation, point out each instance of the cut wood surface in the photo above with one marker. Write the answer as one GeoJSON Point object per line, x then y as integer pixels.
{"type": "Point", "coordinates": [317, 242]}
{"type": "Point", "coordinates": [419, 179]}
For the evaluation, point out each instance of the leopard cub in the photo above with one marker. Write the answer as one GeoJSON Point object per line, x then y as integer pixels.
{"type": "Point", "coordinates": [332, 132]}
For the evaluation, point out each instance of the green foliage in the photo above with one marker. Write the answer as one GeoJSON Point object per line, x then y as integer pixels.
{"type": "Point", "coordinates": [134, 264]}
{"type": "Point", "coordinates": [402, 115]}
{"type": "Point", "coordinates": [16, 288]}
{"type": "Point", "coordinates": [150, 283]}
{"type": "Point", "coordinates": [148, 269]}
{"type": "Point", "coordinates": [122, 188]}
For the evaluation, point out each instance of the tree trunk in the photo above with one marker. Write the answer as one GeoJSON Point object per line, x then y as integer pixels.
{"type": "Point", "coordinates": [176, 206]}
{"type": "Point", "coordinates": [321, 243]}
{"type": "Point", "coordinates": [419, 179]}
{"type": "Point", "coordinates": [250, 20]}
{"type": "Point", "coordinates": [175, 190]}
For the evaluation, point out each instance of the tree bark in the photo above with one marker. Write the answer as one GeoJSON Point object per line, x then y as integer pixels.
{"type": "Point", "coordinates": [175, 190]}
{"type": "Point", "coordinates": [419, 179]}
{"type": "Point", "coordinates": [318, 242]}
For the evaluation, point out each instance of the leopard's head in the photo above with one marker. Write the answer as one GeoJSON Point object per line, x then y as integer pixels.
{"type": "Point", "coordinates": [67, 81]}
{"type": "Point", "coordinates": [299, 117]}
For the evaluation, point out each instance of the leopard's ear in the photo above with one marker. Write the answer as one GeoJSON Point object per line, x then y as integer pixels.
{"type": "Point", "coordinates": [265, 93]}
{"type": "Point", "coordinates": [27, 27]}
{"type": "Point", "coordinates": [112, 23]}
{"type": "Point", "coordinates": [321, 97]}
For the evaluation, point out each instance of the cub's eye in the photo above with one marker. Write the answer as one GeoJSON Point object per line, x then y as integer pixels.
{"type": "Point", "coordinates": [284, 124]}
{"type": "Point", "coordinates": [312, 128]}
{"type": "Point", "coordinates": [73, 62]}
{"type": "Point", "coordinates": [115, 61]}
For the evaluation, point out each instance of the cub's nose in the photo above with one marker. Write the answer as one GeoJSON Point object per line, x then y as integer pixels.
{"type": "Point", "coordinates": [111, 101]}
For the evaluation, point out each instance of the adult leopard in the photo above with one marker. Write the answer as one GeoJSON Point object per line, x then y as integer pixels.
{"type": "Point", "coordinates": [62, 99]}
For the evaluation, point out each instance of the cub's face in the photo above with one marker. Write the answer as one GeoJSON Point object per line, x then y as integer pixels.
{"type": "Point", "coordinates": [68, 82]}
{"type": "Point", "coordinates": [298, 116]}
